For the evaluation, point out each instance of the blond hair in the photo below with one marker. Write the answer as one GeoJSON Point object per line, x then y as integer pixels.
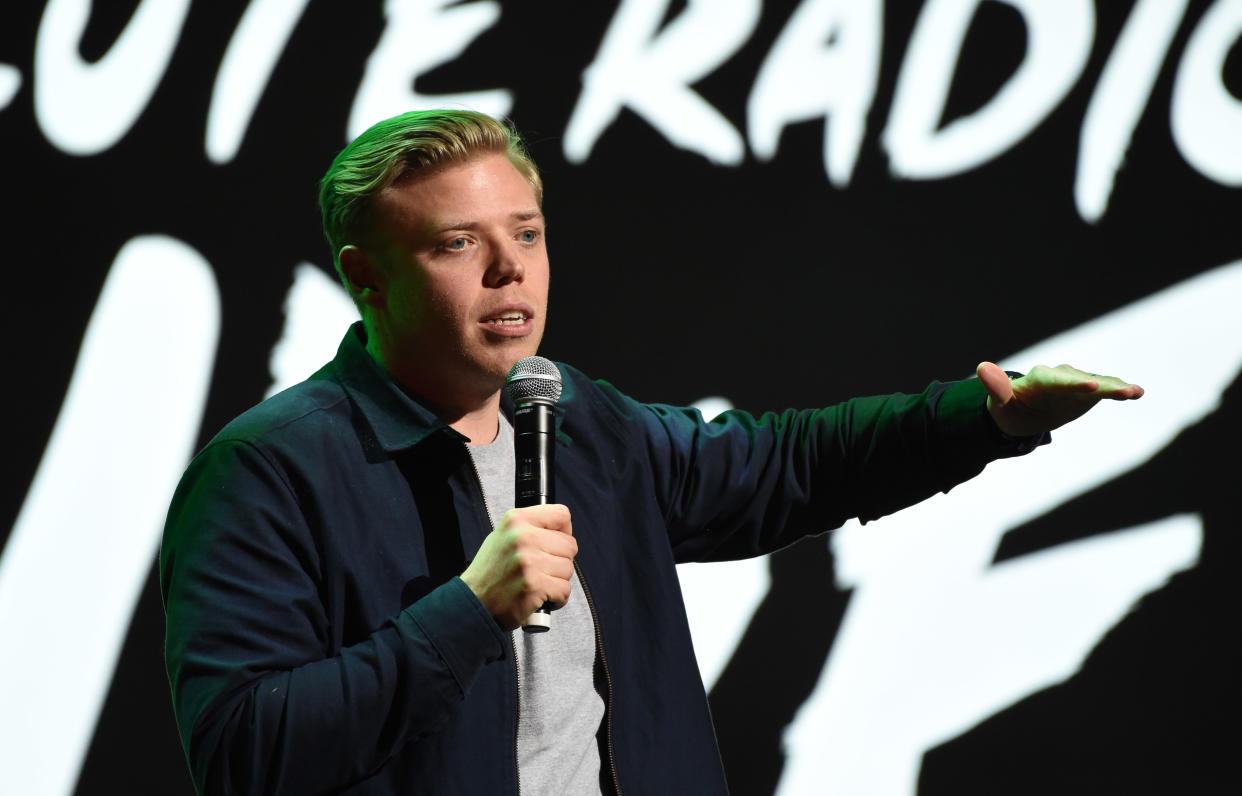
{"type": "Point", "coordinates": [390, 149]}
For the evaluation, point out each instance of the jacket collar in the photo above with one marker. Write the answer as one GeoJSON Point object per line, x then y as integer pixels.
{"type": "Point", "coordinates": [397, 419]}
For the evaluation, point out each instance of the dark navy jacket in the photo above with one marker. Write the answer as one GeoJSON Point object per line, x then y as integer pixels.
{"type": "Point", "coordinates": [319, 640]}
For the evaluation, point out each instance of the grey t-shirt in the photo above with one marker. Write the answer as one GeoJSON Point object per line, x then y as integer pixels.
{"type": "Point", "coordinates": [559, 710]}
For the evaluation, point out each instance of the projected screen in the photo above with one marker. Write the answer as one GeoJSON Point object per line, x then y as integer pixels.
{"type": "Point", "coordinates": [750, 205]}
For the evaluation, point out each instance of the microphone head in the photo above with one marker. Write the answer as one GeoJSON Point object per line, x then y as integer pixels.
{"type": "Point", "coordinates": [534, 379]}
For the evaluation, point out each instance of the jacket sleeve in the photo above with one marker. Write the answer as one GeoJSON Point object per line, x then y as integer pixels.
{"type": "Point", "coordinates": [263, 704]}
{"type": "Point", "coordinates": [740, 486]}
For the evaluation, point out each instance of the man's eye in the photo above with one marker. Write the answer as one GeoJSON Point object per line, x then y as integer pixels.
{"type": "Point", "coordinates": [456, 244]}
{"type": "Point", "coordinates": [529, 236]}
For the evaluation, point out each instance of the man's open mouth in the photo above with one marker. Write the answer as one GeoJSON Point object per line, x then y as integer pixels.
{"type": "Point", "coordinates": [514, 318]}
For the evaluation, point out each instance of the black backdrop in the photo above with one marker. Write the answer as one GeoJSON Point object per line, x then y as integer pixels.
{"type": "Point", "coordinates": [768, 281]}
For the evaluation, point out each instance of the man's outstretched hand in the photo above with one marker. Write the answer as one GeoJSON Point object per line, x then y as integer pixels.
{"type": "Point", "coordinates": [1047, 397]}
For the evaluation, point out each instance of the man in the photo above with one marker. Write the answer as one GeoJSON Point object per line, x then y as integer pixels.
{"type": "Point", "coordinates": [342, 571]}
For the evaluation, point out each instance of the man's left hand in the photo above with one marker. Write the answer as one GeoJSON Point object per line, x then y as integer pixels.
{"type": "Point", "coordinates": [1047, 397]}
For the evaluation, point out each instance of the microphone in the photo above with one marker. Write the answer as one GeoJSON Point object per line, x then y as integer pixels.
{"type": "Point", "coordinates": [534, 384]}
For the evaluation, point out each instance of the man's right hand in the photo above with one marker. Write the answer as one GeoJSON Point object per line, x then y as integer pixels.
{"type": "Point", "coordinates": [527, 561]}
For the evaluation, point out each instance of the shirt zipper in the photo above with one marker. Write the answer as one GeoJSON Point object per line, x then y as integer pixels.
{"type": "Point", "coordinates": [603, 660]}
{"type": "Point", "coordinates": [517, 714]}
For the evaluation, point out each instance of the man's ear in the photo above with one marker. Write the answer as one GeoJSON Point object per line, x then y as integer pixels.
{"type": "Point", "coordinates": [363, 277]}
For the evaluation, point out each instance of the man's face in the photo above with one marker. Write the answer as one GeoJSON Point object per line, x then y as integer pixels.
{"type": "Point", "coordinates": [465, 275]}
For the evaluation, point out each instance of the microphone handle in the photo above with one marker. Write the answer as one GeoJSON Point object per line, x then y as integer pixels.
{"type": "Point", "coordinates": [534, 447]}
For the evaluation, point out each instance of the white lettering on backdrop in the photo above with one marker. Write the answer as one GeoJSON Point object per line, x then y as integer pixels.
{"type": "Point", "coordinates": [245, 70]}
{"type": "Point", "coordinates": [421, 35]}
{"type": "Point", "coordinates": [1059, 36]}
{"type": "Point", "coordinates": [10, 82]}
{"type": "Point", "coordinates": [1206, 117]}
{"type": "Point", "coordinates": [986, 635]}
{"type": "Point", "coordinates": [651, 74]}
{"type": "Point", "coordinates": [826, 63]}
{"type": "Point", "coordinates": [82, 546]}
{"type": "Point", "coordinates": [85, 108]}
{"type": "Point", "coordinates": [1120, 99]}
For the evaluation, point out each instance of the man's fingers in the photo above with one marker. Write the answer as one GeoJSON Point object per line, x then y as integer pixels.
{"type": "Point", "coordinates": [561, 567]}
{"type": "Point", "coordinates": [544, 550]}
{"type": "Point", "coordinates": [552, 516]}
{"type": "Point", "coordinates": [1104, 386]}
{"type": "Point", "coordinates": [1115, 388]}
{"type": "Point", "coordinates": [561, 545]}
{"type": "Point", "coordinates": [557, 591]}
{"type": "Point", "coordinates": [548, 574]}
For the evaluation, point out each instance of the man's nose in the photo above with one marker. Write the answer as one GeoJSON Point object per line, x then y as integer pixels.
{"type": "Point", "coordinates": [506, 266]}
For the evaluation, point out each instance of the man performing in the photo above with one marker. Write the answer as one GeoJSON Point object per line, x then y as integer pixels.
{"type": "Point", "coordinates": [343, 569]}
